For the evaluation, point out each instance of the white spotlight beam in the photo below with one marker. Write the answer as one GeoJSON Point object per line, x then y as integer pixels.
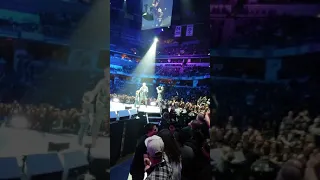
{"type": "Point", "coordinates": [147, 63]}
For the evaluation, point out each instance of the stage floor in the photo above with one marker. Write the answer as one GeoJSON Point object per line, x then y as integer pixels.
{"type": "Point", "coordinates": [114, 106]}
{"type": "Point", "coordinates": [19, 142]}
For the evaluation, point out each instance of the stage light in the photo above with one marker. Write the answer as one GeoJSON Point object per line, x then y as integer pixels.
{"type": "Point", "coordinates": [162, 29]}
{"type": "Point", "coordinates": [115, 100]}
{"type": "Point", "coordinates": [155, 39]}
{"type": "Point", "coordinates": [153, 103]}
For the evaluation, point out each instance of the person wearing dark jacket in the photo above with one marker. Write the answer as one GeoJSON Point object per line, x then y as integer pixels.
{"type": "Point", "coordinates": [137, 166]}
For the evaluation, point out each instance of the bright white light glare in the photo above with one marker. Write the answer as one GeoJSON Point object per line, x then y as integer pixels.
{"type": "Point", "coordinates": [156, 39]}
{"type": "Point", "coordinates": [19, 122]}
{"type": "Point", "coordinates": [162, 29]}
{"type": "Point", "coordinates": [153, 103]}
{"type": "Point", "coordinates": [115, 100]}
{"type": "Point", "coordinates": [146, 65]}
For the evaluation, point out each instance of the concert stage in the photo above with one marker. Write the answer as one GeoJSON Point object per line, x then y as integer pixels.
{"type": "Point", "coordinates": [115, 106]}
{"type": "Point", "coordinates": [20, 142]}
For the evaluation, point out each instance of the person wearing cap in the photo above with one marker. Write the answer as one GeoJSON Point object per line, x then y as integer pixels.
{"type": "Point", "coordinates": [85, 117]}
{"type": "Point", "coordinates": [138, 163]}
{"type": "Point", "coordinates": [159, 168]}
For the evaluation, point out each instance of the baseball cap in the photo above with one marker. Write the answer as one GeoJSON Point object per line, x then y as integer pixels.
{"type": "Point", "coordinates": [155, 146]}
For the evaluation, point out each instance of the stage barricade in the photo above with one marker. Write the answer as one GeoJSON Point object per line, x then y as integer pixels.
{"type": "Point", "coordinates": [44, 166]}
{"type": "Point", "coordinates": [134, 130]}
{"type": "Point", "coordinates": [10, 169]}
{"type": "Point", "coordinates": [133, 112]}
{"type": "Point", "coordinates": [113, 116]}
{"type": "Point", "coordinates": [116, 129]}
{"type": "Point", "coordinates": [75, 164]}
{"type": "Point", "coordinates": [124, 115]}
{"type": "Point", "coordinates": [99, 166]}
{"type": "Point", "coordinates": [49, 166]}
{"type": "Point", "coordinates": [124, 137]}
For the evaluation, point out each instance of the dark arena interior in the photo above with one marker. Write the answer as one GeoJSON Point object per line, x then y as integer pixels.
{"type": "Point", "coordinates": [265, 79]}
{"type": "Point", "coordinates": [159, 85]}
{"type": "Point", "coordinates": [159, 90]}
{"type": "Point", "coordinates": [51, 76]}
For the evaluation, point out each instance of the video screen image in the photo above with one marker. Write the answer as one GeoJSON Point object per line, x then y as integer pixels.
{"type": "Point", "coordinates": [156, 13]}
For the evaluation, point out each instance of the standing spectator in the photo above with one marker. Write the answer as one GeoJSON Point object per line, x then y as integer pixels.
{"type": "Point", "coordinates": [159, 168]}
{"type": "Point", "coordinates": [137, 166]}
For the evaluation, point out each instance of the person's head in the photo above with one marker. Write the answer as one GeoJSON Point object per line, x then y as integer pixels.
{"type": "Point", "coordinates": [235, 130]}
{"type": "Point", "coordinates": [183, 136]}
{"type": "Point", "coordinates": [308, 149]}
{"type": "Point", "coordinates": [144, 84]}
{"type": "Point", "coordinates": [265, 150]}
{"type": "Point", "coordinates": [290, 113]}
{"type": "Point", "coordinates": [171, 147]}
{"type": "Point", "coordinates": [151, 129]}
{"type": "Point", "coordinates": [155, 149]}
{"type": "Point", "coordinates": [291, 170]}
{"type": "Point", "coordinates": [250, 130]}
{"type": "Point", "coordinates": [259, 139]}
{"type": "Point", "coordinates": [239, 146]}
{"type": "Point", "coordinates": [165, 116]}
{"type": "Point", "coordinates": [305, 112]}
{"type": "Point", "coordinates": [200, 117]}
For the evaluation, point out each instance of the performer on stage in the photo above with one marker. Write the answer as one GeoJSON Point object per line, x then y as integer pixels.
{"type": "Point", "coordinates": [101, 113]}
{"type": "Point", "coordinates": [160, 90]}
{"type": "Point", "coordinates": [85, 117]}
{"type": "Point", "coordinates": [144, 94]}
{"type": "Point", "coordinates": [137, 98]}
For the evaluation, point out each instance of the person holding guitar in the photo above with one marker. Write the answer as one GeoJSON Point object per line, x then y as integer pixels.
{"type": "Point", "coordinates": [160, 90]}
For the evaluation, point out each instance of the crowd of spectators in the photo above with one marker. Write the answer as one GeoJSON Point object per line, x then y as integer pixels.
{"type": "Point", "coordinates": [51, 24]}
{"type": "Point", "coordinates": [184, 50]}
{"type": "Point", "coordinates": [9, 25]}
{"type": "Point", "coordinates": [168, 71]}
{"type": "Point", "coordinates": [276, 31]}
{"type": "Point", "coordinates": [125, 91]}
{"type": "Point", "coordinates": [184, 145]}
{"type": "Point", "coordinates": [287, 2]}
{"type": "Point", "coordinates": [270, 31]}
{"type": "Point", "coordinates": [42, 117]}
{"type": "Point", "coordinates": [176, 71]}
{"type": "Point", "coordinates": [44, 88]}
{"type": "Point", "coordinates": [265, 131]}
{"type": "Point", "coordinates": [267, 2]}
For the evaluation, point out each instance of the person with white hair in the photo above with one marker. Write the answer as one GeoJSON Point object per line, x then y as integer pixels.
{"type": "Point", "coordinates": [144, 94]}
{"type": "Point", "coordinates": [85, 117]}
{"type": "Point", "coordinates": [102, 96]}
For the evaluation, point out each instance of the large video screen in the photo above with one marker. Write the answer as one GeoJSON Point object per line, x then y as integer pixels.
{"type": "Point", "coordinates": [156, 13]}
